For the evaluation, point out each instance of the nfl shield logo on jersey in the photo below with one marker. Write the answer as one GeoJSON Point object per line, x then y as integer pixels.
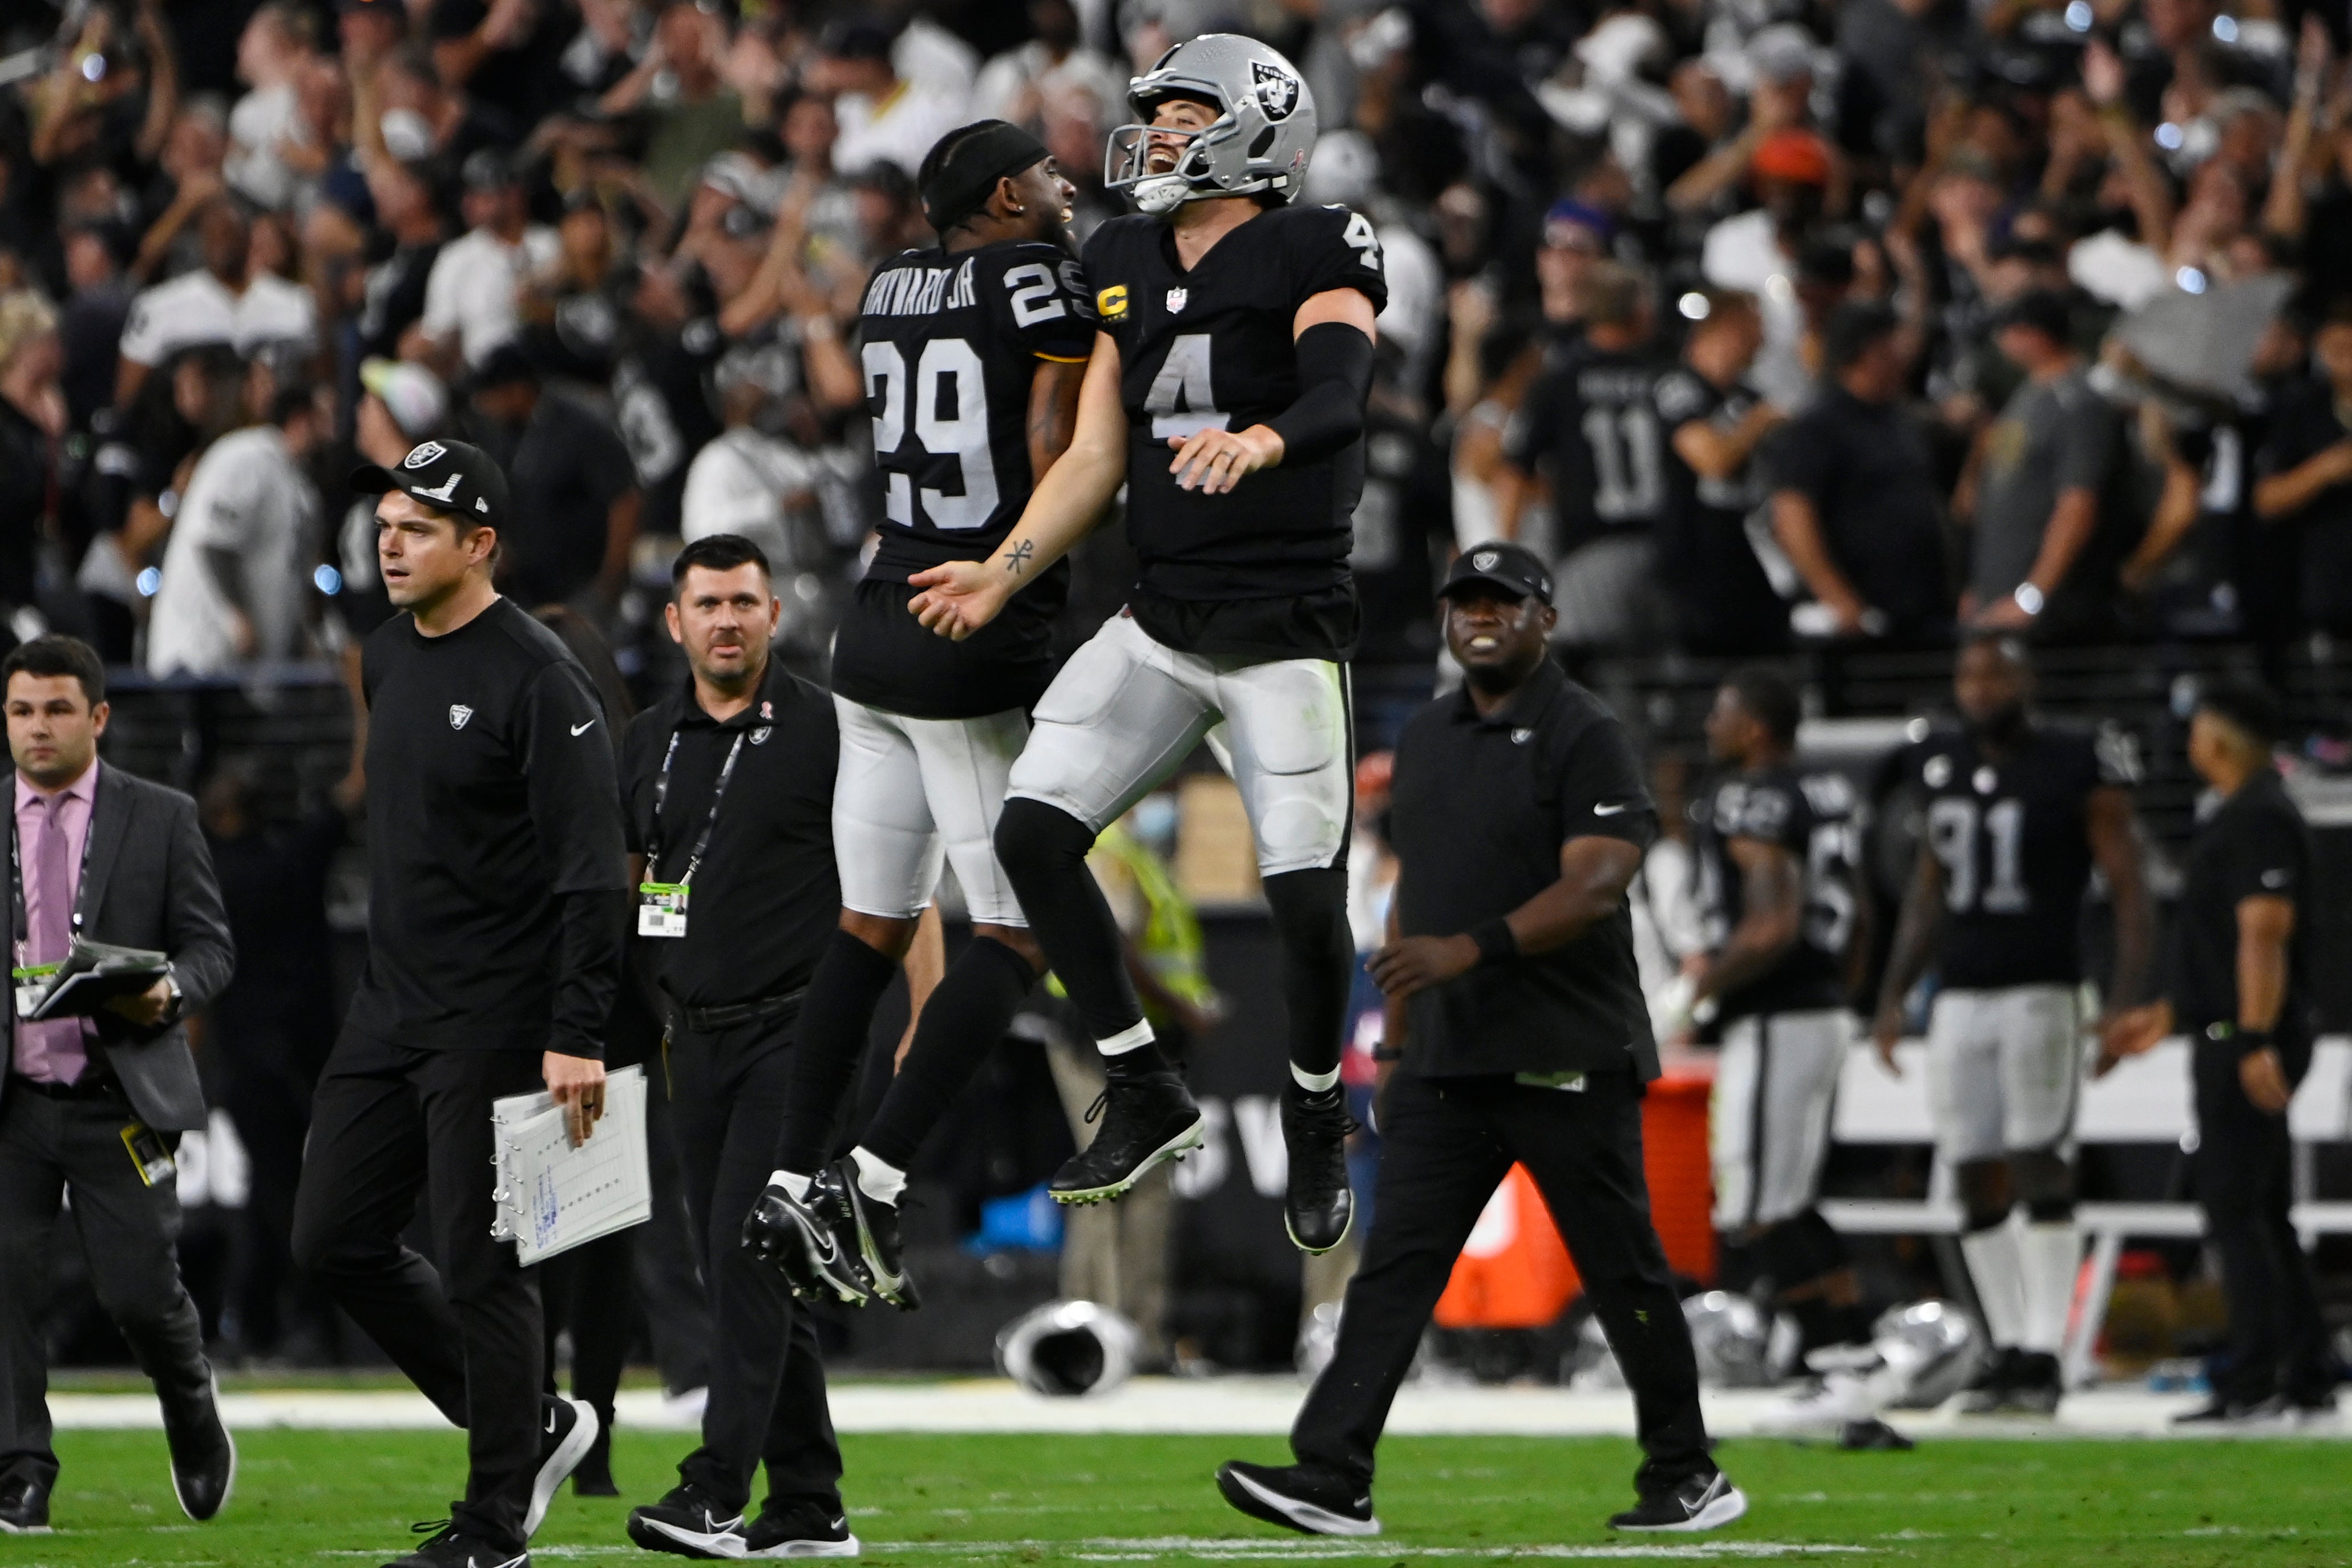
{"type": "Point", "coordinates": [1176, 298]}
{"type": "Point", "coordinates": [1277, 90]}
{"type": "Point", "coordinates": [458, 714]}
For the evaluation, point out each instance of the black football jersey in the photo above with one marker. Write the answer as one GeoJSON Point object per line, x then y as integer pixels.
{"type": "Point", "coordinates": [1593, 428]}
{"type": "Point", "coordinates": [2013, 836]}
{"type": "Point", "coordinates": [950, 345]}
{"type": "Point", "coordinates": [1811, 816]}
{"type": "Point", "coordinates": [1213, 346]}
{"type": "Point", "coordinates": [1706, 549]}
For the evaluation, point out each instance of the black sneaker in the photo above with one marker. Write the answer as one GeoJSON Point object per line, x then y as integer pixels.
{"type": "Point", "coordinates": [203, 1456]}
{"type": "Point", "coordinates": [2219, 1411]}
{"type": "Point", "coordinates": [1312, 1502]}
{"type": "Point", "coordinates": [873, 1234]}
{"type": "Point", "coordinates": [1707, 1501]}
{"type": "Point", "coordinates": [567, 1429]}
{"type": "Point", "coordinates": [1988, 1391]}
{"type": "Point", "coordinates": [2035, 1385]}
{"type": "Point", "coordinates": [688, 1522]}
{"type": "Point", "coordinates": [1145, 1119]}
{"type": "Point", "coordinates": [1873, 1434]}
{"type": "Point", "coordinates": [1317, 1205]}
{"type": "Point", "coordinates": [802, 1530]}
{"type": "Point", "coordinates": [452, 1546]}
{"type": "Point", "coordinates": [24, 1507]}
{"type": "Point", "coordinates": [801, 1238]}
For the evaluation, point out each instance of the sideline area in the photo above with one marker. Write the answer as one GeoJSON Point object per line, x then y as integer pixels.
{"type": "Point", "coordinates": [1178, 1405]}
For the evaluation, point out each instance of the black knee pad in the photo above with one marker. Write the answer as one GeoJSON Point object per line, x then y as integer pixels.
{"type": "Point", "coordinates": [1798, 1250]}
{"type": "Point", "coordinates": [1032, 836]}
{"type": "Point", "coordinates": [2043, 1181]}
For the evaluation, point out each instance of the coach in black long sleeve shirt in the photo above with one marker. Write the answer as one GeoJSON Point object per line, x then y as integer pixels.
{"type": "Point", "coordinates": [2240, 988]}
{"type": "Point", "coordinates": [1520, 818]}
{"type": "Point", "coordinates": [497, 907]}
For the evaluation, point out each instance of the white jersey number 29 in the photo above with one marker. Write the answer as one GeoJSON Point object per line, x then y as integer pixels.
{"type": "Point", "coordinates": [949, 366]}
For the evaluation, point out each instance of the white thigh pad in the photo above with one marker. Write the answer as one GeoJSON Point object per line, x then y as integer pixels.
{"type": "Point", "coordinates": [886, 845]}
{"type": "Point", "coordinates": [1286, 726]}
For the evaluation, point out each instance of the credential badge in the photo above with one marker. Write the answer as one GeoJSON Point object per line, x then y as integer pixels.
{"type": "Point", "coordinates": [423, 455]}
{"type": "Point", "coordinates": [458, 714]}
{"type": "Point", "coordinates": [1277, 90]}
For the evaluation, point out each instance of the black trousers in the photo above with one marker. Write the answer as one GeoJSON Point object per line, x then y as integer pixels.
{"type": "Point", "coordinates": [48, 1148]}
{"type": "Point", "coordinates": [2244, 1172]}
{"type": "Point", "coordinates": [767, 1383]}
{"type": "Point", "coordinates": [1446, 1145]}
{"type": "Point", "coordinates": [390, 1122]}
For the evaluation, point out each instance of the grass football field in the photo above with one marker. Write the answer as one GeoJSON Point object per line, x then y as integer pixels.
{"type": "Point", "coordinates": [328, 1498]}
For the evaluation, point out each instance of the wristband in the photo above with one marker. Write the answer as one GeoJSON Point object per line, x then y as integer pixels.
{"type": "Point", "coordinates": [1495, 943]}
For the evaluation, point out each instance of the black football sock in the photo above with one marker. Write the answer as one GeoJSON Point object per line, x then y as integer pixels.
{"type": "Point", "coordinates": [961, 1023]}
{"type": "Point", "coordinates": [1042, 849]}
{"type": "Point", "coordinates": [828, 1043]}
{"type": "Point", "coordinates": [1318, 964]}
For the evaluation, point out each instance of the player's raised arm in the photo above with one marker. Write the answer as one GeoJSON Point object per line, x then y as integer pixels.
{"type": "Point", "coordinates": [1334, 333]}
{"type": "Point", "coordinates": [960, 597]}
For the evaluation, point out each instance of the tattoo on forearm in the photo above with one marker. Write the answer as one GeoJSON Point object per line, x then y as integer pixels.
{"type": "Point", "coordinates": [1018, 556]}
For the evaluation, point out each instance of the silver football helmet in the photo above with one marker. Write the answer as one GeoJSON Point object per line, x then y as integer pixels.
{"type": "Point", "coordinates": [1262, 140]}
{"type": "Point", "coordinates": [1067, 1348]}
{"type": "Point", "coordinates": [1937, 1346]}
{"type": "Point", "coordinates": [1729, 1336]}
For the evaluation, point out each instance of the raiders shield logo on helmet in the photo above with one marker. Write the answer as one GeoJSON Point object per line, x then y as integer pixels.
{"type": "Point", "coordinates": [1277, 90]}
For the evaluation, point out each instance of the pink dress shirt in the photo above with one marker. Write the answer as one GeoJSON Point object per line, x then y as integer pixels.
{"type": "Point", "coordinates": [51, 1052]}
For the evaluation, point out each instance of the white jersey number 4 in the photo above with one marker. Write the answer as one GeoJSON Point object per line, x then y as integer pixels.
{"type": "Point", "coordinates": [949, 366]}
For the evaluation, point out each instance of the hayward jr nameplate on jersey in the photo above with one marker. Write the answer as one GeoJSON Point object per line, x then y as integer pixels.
{"type": "Point", "coordinates": [661, 908]}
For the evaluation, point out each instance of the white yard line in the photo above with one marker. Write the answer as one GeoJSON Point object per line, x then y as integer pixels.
{"type": "Point", "coordinates": [1235, 1406]}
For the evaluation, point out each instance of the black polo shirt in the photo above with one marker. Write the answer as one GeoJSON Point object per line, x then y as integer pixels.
{"type": "Point", "coordinates": [2255, 845]}
{"type": "Point", "coordinates": [1483, 806]}
{"type": "Point", "coordinates": [766, 897]}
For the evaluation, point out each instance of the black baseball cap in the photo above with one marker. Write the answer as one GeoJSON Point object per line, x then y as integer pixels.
{"type": "Point", "coordinates": [452, 476]}
{"type": "Point", "coordinates": [1511, 567]}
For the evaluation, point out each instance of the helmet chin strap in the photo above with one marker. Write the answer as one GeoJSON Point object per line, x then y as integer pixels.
{"type": "Point", "coordinates": [1161, 195]}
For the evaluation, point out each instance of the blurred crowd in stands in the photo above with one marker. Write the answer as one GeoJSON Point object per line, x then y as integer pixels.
{"type": "Point", "coordinates": [1770, 322]}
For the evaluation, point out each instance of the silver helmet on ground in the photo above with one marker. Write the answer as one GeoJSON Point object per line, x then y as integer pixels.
{"type": "Point", "coordinates": [1068, 1348]}
{"type": "Point", "coordinates": [1936, 1344]}
{"type": "Point", "coordinates": [1261, 141]}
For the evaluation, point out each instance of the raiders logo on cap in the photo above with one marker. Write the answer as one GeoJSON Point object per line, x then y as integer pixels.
{"type": "Point", "coordinates": [1484, 560]}
{"type": "Point", "coordinates": [425, 453]}
{"type": "Point", "coordinates": [450, 476]}
{"type": "Point", "coordinates": [1277, 90]}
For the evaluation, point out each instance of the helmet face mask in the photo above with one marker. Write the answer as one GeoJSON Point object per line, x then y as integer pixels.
{"type": "Point", "coordinates": [1259, 142]}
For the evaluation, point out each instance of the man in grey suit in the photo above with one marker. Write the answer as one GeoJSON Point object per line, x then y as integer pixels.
{"type": "Point", "coordinates": [93, 1107]}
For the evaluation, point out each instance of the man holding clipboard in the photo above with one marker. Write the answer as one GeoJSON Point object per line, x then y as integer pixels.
{"type": "Point", "coordinates": [495, 919]}
{"type": "Point", "coordinates": [94, 1099]}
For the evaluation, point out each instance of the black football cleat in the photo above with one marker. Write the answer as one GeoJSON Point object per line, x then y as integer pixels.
{"type": "Point", "coordinates": [1312, 1502]}
{"type": "Point", "coordinates": [1317, 1205]}
{"type": "Point", "coordinates": [872, 1234]}
{"type": "Point", "coordinates": [801, 1237]}
{"type": "Point", "coordinates": [688, 1522]}
{"type": "Point", "coordinates": [451, 1546]}
{"type": "Point", "coordinates": [203, 1456]}
{"type": "Point", "coordinates": [1707, 1502]}
{"type": "Point", "coordinates": [567, 1430]}
{"type": "Point", "coordinates": [801, 1530]}
{"type": "Point", "coordinates": [1146, 1119]}
{"type": "Point", "coordinates": [2035, 1386]}
{"type": "Point", "coordinates": [24, 1507]}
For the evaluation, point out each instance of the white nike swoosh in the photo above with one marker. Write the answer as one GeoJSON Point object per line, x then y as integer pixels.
{"type": "Point", "coordinates": [584, 728]}
{"type": "Point", "coordinates": [1610, 810]}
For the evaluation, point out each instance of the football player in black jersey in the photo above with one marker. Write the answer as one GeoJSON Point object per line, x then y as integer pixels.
{"type": "Point", "coordinates": [2017, 815]}
{"type": "Point", "coordinates": [1226, 391]}
{"type": "Point", "coordinates": [973, 352]}
{"type": "Point", "coordinates": [1779, 897]}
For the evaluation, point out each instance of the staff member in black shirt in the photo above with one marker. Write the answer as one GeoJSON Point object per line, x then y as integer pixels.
{"type": "Point", "coordinates": [1520, 818]}
{"type": "Point", "coordinates": [2241, 990]}
{"type": "Point", "coordinates": [495, 914]}
{"type": "Point", "coordinates": [729, 782]}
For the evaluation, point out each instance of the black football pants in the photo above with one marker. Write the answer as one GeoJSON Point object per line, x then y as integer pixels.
{"type": "Point", "coordinates": [767, 1399]}
{"type": "Point", "coordinates": [390, 1122]}
{"type": "Point", "coordinates": [2244, 1172]}
{"type": "Point", "coordinates": [1446, 1145]}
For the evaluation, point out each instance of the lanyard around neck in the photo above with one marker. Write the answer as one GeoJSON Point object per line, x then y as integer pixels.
{"type": "Point", "coordinates": [709, 821]}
